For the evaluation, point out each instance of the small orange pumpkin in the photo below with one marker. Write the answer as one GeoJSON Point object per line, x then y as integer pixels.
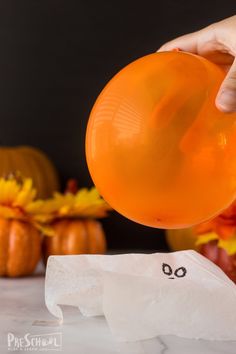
{"type": "Point", "coordinates": [181, 239]}
{"type": "Point", "coordinates": [74, 236]}
{"type": "Point", "coordinates": [20, 248]}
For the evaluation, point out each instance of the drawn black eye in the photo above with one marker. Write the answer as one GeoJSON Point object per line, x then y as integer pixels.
{"type": "Point", "coordinates": [166, 268]}
{"type": "Point", "coordinates": [180, 272]}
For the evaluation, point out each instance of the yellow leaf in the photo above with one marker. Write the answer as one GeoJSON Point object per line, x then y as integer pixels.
{"type": "Point", "coordinates": [84, 204]}
{"type": "Point", "coordinates": [205, 238]}
{"type": "Point", "coordinates": [45, 229]}
{"type": "Point", "coordinates": [228, 245]}
{"type": "Point", "coordinates": [26, 194]}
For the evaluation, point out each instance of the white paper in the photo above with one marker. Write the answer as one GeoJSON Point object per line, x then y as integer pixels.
{"type": "Point", "coordinates": [146, 295]}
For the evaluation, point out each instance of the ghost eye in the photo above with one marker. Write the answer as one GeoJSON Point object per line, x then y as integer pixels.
{"type": "Point", "coordinates": [180, 272]}
{"type": "Point", "coordinates": [166, 268]}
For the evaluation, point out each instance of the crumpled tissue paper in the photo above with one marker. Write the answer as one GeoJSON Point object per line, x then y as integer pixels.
{"type": "Point", "coordinates": [146, 295]}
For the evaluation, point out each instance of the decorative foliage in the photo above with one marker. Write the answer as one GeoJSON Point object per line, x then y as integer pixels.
{"type": "Point", "coordinates": [18, 201]}
{"type": "Point", "coordinates": [222, 229]}
{"type": "Point", "coordinates": [83, 204]}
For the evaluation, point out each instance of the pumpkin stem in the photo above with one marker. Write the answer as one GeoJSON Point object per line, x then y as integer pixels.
{"type": "Point", "coordinates": [71, 186]}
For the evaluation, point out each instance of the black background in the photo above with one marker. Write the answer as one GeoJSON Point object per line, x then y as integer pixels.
{"type": "Point", "coordinates": [56, 56]}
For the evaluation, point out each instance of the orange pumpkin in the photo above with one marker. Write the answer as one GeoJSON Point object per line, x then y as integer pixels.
{"type": "Point", "coordinates": [181, 239]}
{"type": "Point", "coordinates": [220, 257]}
{"type": "Point", "coordinates": [20, 248]}
{"type": "Point", "coordinates": [33, 163]}
{"type": "Point", "coordinates": [75, 236]}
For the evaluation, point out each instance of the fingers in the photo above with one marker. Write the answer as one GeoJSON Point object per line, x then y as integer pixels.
{"type": "Point", "coordinates": [217, 43]}
{"type": "Point", "coordinates": [186, 43]}
{"type": "Point", "coordinates": [226, 98]}
{"type": "Point", "coordinates": [200, 42]}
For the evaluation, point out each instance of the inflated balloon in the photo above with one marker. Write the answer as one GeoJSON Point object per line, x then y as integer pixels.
{"type": "Point", "coordinates": [158, 149]}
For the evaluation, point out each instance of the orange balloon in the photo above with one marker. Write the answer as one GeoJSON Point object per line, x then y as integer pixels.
{"type": "Point", "coordinates": [158, 149]}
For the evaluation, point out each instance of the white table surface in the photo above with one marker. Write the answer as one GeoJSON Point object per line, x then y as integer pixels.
{"type": "Point", "coordinates": [22, 303]}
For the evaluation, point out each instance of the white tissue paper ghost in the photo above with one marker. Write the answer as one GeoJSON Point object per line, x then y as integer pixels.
{"type": "Point", "coordinates": [146, 295]}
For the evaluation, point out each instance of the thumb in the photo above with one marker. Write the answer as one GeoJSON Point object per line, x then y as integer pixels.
{"type": "Point", "coordinates": [226, 98]}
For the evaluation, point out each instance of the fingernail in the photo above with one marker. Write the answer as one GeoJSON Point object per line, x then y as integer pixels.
{"type": "Point", "coordinates": [226, 101]}
{"type": "Point", "coordinates": [176, 50]}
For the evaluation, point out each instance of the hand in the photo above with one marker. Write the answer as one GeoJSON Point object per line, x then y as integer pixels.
{"type": "Point", "coordinates": [217, 43]}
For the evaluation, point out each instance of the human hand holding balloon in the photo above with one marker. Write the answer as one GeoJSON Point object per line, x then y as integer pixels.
{"type": "Point", "coordinates": [217, 43]}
